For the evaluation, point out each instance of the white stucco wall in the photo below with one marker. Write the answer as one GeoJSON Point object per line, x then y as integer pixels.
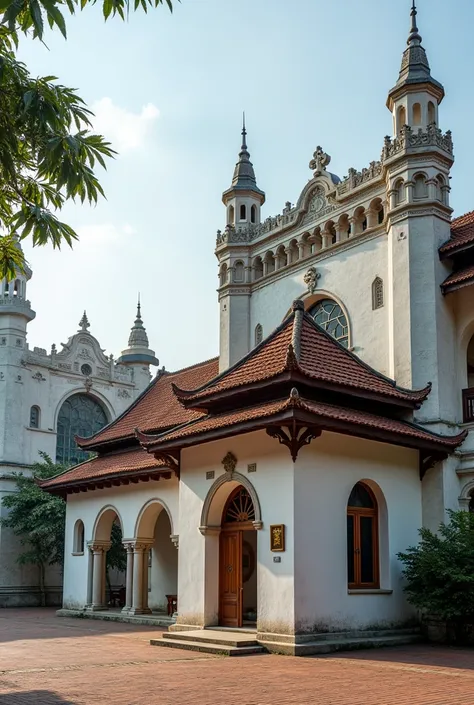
{"type": "Point", "coordinates": [325, 473]}
{"type": "Point", "coordinates": [128, 501]}
{"type": "Point", "coordinates": [198, 555]}
{"type": "Point", "coordinates": [347, 276]}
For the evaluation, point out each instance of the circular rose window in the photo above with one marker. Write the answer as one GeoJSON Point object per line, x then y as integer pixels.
{"type": "Point", "coordinates": [86, 370]}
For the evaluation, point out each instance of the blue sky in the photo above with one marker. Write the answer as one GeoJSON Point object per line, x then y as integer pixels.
{"type": "Point", "coordinates": [169, 91]}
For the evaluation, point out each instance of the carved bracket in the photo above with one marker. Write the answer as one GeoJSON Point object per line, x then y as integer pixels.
{"type": "Point", "coordinates": [294, 437]}
{"type": "Point", "coordinates": [429, 460]}
{"type": "Point", "coordinates": [171, 461]}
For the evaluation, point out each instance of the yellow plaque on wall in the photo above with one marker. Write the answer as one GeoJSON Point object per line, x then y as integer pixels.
{"type": "Point", "coordinates": [277, 537]}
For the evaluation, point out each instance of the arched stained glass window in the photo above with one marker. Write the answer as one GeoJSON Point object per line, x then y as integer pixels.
{"type": "Point", "coordinates": [239, 507]}
{"type": "Point", "coordinates": [80, 415]}
{"type": "Point", "coordinates": [330, 316]}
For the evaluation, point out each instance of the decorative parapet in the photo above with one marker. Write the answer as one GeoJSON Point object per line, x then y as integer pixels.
{"type": "Point", "coordinates": [358, 178]}
{"type": "Point", "coordinates": [431, 137]}
{"type": "Point", "coordinates": [247, 233]}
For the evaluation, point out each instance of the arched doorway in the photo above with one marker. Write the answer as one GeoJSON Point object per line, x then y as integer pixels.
{"type": "Point", "coordinates": [238, 561]}
{"type": "Point", "coordinates": [108, 562]}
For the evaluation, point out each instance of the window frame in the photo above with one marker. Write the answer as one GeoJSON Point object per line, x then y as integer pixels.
{"type": "Point", "coordinates": [79, 538]}
{"type": "Point", "coordinates": [357, 513]}
{"type": "Point", "coordinates": [35, 409]}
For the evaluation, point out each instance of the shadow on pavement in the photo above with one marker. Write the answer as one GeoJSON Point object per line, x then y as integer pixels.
{"type": "Point", "coordinates": [417, 655]}
{"type": "Point", "coordinates": [34, 697]}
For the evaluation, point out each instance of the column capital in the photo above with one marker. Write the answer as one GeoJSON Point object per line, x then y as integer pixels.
{"type": "Point", "coordinates": [137, 544]}
{"type": "Point", "coordinates": [97, 546]}
{"type": "Point", "coordinates": [175, 540]}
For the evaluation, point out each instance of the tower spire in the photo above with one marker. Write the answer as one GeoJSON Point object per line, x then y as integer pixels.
{"type": "Point", "coordinates": [138, 346]}
{"type": "Point", "coordinates": [415, 68]}
{"type": "Point", "coordinates": [244, 175]}
{"type": "Point", "coordinates": [244, 133]}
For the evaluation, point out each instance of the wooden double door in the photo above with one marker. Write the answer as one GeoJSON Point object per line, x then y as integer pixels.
{"type": "Point", "coordinates": [230, 578]}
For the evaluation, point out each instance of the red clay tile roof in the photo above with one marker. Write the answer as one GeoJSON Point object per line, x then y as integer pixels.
{"type": "Point", "coordinates": [157, 408]}
{"type": "Point", "coordinates": [321, 358]}
{"type": "Point", "coordinates": [462, 234]}
{"type": "Point", "coordinates": [106, 466]}
{"type": "Point", "coordinates": [456, 280]}
{"type": "Point", "coordinates": [322, 413]}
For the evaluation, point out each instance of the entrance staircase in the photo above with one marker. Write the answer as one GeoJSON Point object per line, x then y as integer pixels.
{"type": "Point", "coordinates": [240, 642]}
{"type": "Point", "coordinates": [232, 642]}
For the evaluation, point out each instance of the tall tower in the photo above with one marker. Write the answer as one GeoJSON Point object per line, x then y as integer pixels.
{"type": "Point", "coordinates": [417, 162]}
{"type": "Point", "coordinates": [138, 355]}
{"type": "Point", "coordinates": [243, 201]}
{"type": "Point", "coordinates": [15, 314]}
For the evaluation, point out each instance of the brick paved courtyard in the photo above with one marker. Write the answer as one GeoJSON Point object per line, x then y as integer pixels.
{"type": "Point", "coordinates": [45, 660]}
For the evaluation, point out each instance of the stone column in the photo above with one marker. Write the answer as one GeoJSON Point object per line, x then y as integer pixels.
{"type": "Point", "coordinates": [410, 189]}
{"type": "Point", "coordinates": [327, 239]}
{"type": "Point", "coordinates": [372, 218]}
{"type": "Point", "coordinates": [90, 570]}
{"type": "Point", "coordinates": [99, 550]}
{"type": "Point", "coordinates": [146, 559]}
{"type": "Point", "coordinates": [139, 551]}
{"type": "Point", "coordinates": [352, 226]}
{"type": "Point", "coordinates": [129, 577]}
{"type": "Point", "coordinates": [301, 250]}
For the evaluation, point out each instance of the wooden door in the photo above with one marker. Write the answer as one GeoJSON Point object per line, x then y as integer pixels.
{"type": "Point", "coordinates": [230, 571]}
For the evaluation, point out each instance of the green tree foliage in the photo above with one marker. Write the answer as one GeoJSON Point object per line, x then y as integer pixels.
{"type": "Point", "coordinates": [440, 570]}
{"type": "Point", "coordinates": [47, 150]}
{"type": "Point", "coordinates": [37, 518]}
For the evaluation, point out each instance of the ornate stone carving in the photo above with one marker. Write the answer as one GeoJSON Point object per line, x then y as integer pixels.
{"type": "Point", "coordinates": [88, 384]}
{"type": "Point", "coordinates": [84, 322]}
{"type": "Point", "coordinates": [175, 540]}
{"type": "Point", "coordinates": [357, 178]}
{"type": "Point", "coordinates": [38, 377]}
{"type": "Point", "coordinates": [320, 161]}
{"type": "Point", "coordinates": [229, 462]}
{"type": "Point", "coordinates": [318, 201]}
{"type": "Point", "coordinates": [431, 137]}
{"type": "Point", "coordinates": [123, 394]}
{"type": "Point", "coordinates": [311, 278]}
{"type": "Point", "coordinates": [85, 354]}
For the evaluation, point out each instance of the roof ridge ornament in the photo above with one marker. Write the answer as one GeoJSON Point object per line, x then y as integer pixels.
{"type": "Point", "coordinates": [320, 161]}
{"type": "Point", "coordinates": [298, 309]}
{"type": "Point", "coordinates": [84, 323]}
{"type": "Point", "coordinates": [414, 36]}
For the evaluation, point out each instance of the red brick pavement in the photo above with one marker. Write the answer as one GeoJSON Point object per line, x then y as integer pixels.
{"type": "Point", "coordinates": [45, 660]}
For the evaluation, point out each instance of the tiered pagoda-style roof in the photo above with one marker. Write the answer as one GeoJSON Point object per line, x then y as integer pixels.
{"type": "Point", "coordinates": [296, 384]}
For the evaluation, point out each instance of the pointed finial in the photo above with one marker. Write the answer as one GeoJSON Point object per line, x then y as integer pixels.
{"type": "Point", "coordinates": [139, 316]}
{"type": "Point", "coordinates": [414, 34]}
{"type": "Point", "coordinates": [84, 322]}
{"type": "Point", "coordinates": [244, 133]}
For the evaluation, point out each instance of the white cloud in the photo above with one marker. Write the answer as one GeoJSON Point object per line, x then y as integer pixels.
{"type": "Point", "coordinates": [124, 129]}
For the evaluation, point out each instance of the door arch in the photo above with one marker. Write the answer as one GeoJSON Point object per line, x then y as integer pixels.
{"type": "Point", "coordinates": [237, 559]}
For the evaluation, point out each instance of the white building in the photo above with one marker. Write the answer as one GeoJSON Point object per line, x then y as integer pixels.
{"type": "Point", "coordinates": [291, 470]}
{"type": "Point", "coordinates": [45, 400]}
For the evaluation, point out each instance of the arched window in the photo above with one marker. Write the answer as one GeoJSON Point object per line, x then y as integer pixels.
{"type": "Point", "coordinates": [231, 216]}
{"type": "Point", "coordinates": [377, 293]}
{"type": "Point", "coordinates": [243, 212]}
{"type": "Point", "coordinates": [417, 114]}
{"type": "Point", "coordinates": [253, 214]}
{"type": "Point", "coordinates": [399, 189]}
{"type": "Point", "coordinates": [257, 268]}
{"type": "Point", "coordinates": [35, 417]}
{"type": "Point", "coordinates": [223, 275]}
{"type": "Point", "coordinates": [239, 272]}
{"type": "Point", "coordinates": [258, 334]}
{"type": "Point", "coordinates": [381, 216]}
{"type": "Point", "coordinates": [80, 415]}
{"type": "Point", "coordinates": [431, 113]}
{"type": "Point", "coordinates": [441, 190]}
{"type": "Point", "coordinates": [362, 538]}
{"type": "Point", "coordinates": [17, 288]}
{"type": "Point", "coordinates": [401, 118]}
{"type": "Point", "coordinates": [420, 189]}
{"type": "Point", "coordinates": [239, 507]}
{"type": "Point", "coordinates": [78, 542]}
{"type": "Point", "coordinates": [330, 316]}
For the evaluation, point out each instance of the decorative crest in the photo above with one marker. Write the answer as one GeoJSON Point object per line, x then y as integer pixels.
{"type": "Point", "coordinates": [320, 161]}
{"type": "Point", "coordinates": [311, 278]}
{"type": "Point", "coordinates": [84, 322]}
{"type": "Point", "coordinates": [229, 462]}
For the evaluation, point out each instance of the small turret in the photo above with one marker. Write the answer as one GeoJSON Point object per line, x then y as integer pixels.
{"type": "Point", "coordinates": [138, 351]}
{"type": "Point", "coordinates": [415, 98]}
{"type": "Point", "coordinates": [243, 199]}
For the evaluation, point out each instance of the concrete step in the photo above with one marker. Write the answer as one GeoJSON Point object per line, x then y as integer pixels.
{"type": "Point", "coordinates": [328, 646]}
{"type": "Point", "coordinates": [356, 634]}
{"type": "Point", "coordinates": [225, 639]}
{"type": "Point", "coordinates": [208, 647]}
